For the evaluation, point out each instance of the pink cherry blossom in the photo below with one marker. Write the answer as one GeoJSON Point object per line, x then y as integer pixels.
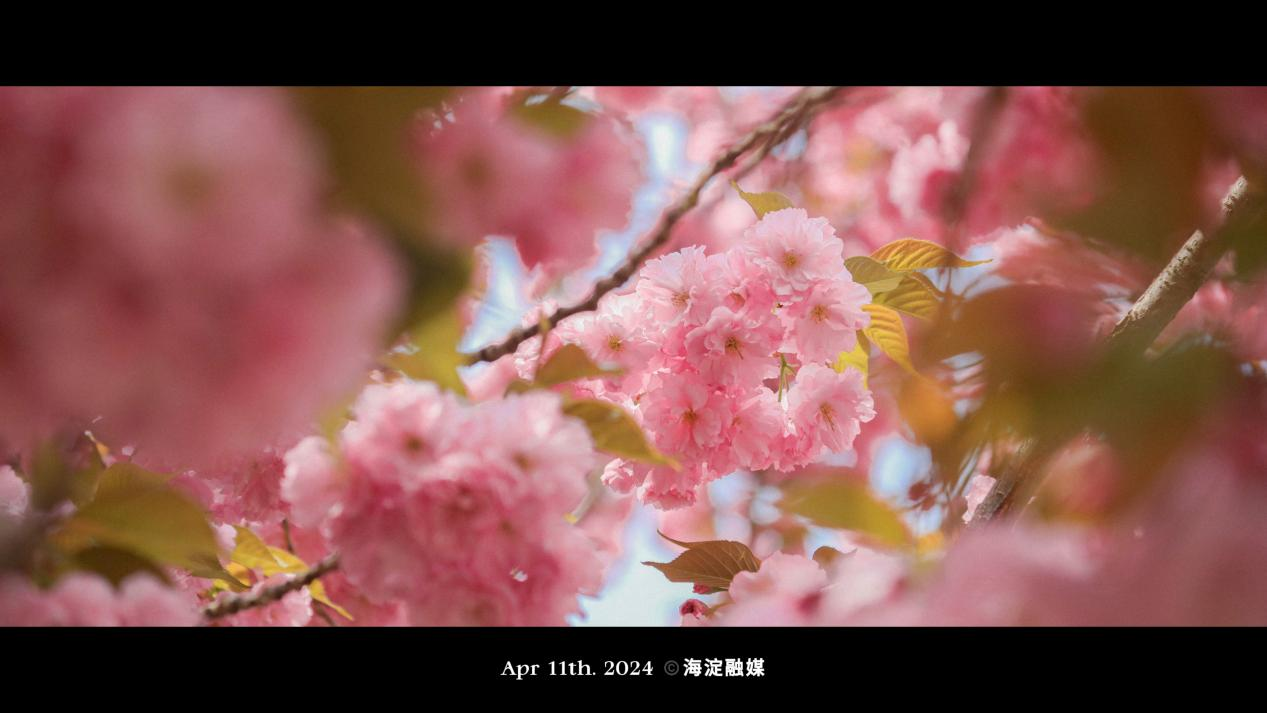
{"type": "Point", "coordinates": [686, 416]}
{"type": "Point", "coordinates": [829, 407]}
{"type": "Point", "coordinates": [490, 171]}
{"type": "Point", "coordinates": [166, 265]}
{"type": "Point", "coordinates": [456, 511]}
{"type": "Point", "coordinates": [293, 609]}
{"type": "Point", "coordinates": [829, 319]}
{"type": "Point", "coordinates": [81, 599]}
{"type": "Point", "coordinates": [14, 492]}
{"type": "Point", "coordinates": [783, 592]}
{"type": "Point", "coordinates": [756, 427]}
{"type": "Point", "coordinates": [978, 488]}
{"type": "Point", "coordinates": [794, 250]}
{"type": "Point", "coordinates": [731, 348]}
{"type": "Point", "coordinates": [676, 286]}
{"type": "Point", "coordinates": [311, 484]}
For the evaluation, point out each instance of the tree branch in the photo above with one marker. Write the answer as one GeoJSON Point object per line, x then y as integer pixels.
{"type": "Point", "coordinates": [795, 112]}
{"type": "Point", "coordinates": [1173, 287]}
{"type": "Point", "coordinates": [233, 603]}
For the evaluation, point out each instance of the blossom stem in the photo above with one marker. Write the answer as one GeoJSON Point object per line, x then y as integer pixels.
{"type": "Point", "coordinates": [233, 603]}
{"type": "Point", "coordinates": [1174, 286]}
{"type": "Point", "coordinates": [796, 112]}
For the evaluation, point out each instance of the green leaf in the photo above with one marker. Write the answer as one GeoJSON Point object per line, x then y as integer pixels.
{"type": "Point", "coordinates": [912, 254]}
{"type": "Point", "coordinates": [845, 504]}
{"type": "Point", "coordinates": [253, 553]}
{"type": "Point", "coordinates": [132, 511]}
{"type": "Point", "coordinates": [570, 362]}
{"type": "Point", "coordinates": [115, 564]}
{"type": "Point", "coordinates": [762, 203]}
{"type": "Point", "coordinates": [54, 480]}
{"type": "Point", "coordinates": [616, 432]}
{"type": "Point", "coordinates": [552, 118]}
{"type": "Point", "coordinates": [125, 476]}
{"type": "Point", "coordinates": [914, 295]}
{"type": "Point", "coordinates": [872, 274]}
{"type": "Point", "coordinates": [432, 352]}
{"type": "Point", "coordinates": [437, 278]}
{"type": "Point", "coordinates": [712, 563]}
{"type": "Point", "coordinates": [856, 359]}
{"type": "Point", "coordinates": [364, 132]}
{"type": "Point", "coordinates": [887, 332]}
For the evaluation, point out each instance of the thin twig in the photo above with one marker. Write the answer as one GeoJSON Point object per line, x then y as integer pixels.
{"type": "Point", "coordinates": [796, 111]}
{"type": "Point", "coordinates": [234, 603]}
{"type": "Point", "coordinates": [1173, 287]}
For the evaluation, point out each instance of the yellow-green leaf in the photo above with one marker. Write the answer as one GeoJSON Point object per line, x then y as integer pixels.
{"type": "Point", "coordinates": [364, 132]}
{"type": "Point", "coordinates": [555, 119]}
{"type": "Point", "coordinates": [125, 476]}
{"type": "Point", "coordinates": [912, 254]}
{"type": "Point", "coordinates": [291, 564]}
{"type": "Point", "coordinates": [914, 295]}
{"type": "Point", "coordinates": [252, 552]}
{"type": "Point", "coordinates": [115, 564]}
{"type": "Point", "coordinates": [154, 522]}
{"type": "Point", "coordinates": [568, 363]}
{"type": "Point", "coordinates": [762, 203]}
{"type": "Point", "coordinates": [872, 274]}
{"type": "Point", "coordinates": [887, 332]}
{"type": "Point", "coordinates": [856, 359]}
{"type": "Point", "coordinates": [318, 592]}
{"type": "Point", "coordinates": [432, 351]}
{"type": "Point", "coordinates": [616, 432]}
{"type": "Point", "coordinates": [927, 409]}
{"type": "Point", "coordinates": [712, 563]}
{"type": "Point", "coordinates": [845, 504]}
{"type": "Point", "coordinates": [54, 479]}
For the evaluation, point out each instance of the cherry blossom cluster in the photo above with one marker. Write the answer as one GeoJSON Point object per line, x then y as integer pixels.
{"type": "Point", "coordinates": [166, 266]}
{"type": "Point", "coordinates": [1187, 553]}
{"type": "Point", "coordinates": [490, 171]}
{"type": "Point", "coordinates": [457, 511]}
{"type": "Point", "coordinates": [81, 599]}
{"type": "Point", "coordinates": [727, 357]}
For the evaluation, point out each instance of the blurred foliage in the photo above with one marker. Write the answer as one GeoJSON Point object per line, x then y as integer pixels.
{"type": "Point", "coordinates": [1046, 377]}
{"type": "Point", "coordinates": [136, 511]}
{"type": "Point", "coordinates": [364, 131]}
{"type": "Point", "coordinates": [841, 499]}
{"type": "Point", "coordinates": [430, 351]}
{"type": "Point", "coordinates": [1154, 144]}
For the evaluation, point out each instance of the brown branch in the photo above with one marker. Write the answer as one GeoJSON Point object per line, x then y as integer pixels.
{"type": "Point", "coordinates": [234, 603]}
{"type": "Point", "coordinates": [1173, 287]}
{"type": "Point", "coordinates": [955, 202]}
{"type": "Point", "coordinates": [794, 113]}
{"type": "Point", "coordinates": [1181, 278]}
